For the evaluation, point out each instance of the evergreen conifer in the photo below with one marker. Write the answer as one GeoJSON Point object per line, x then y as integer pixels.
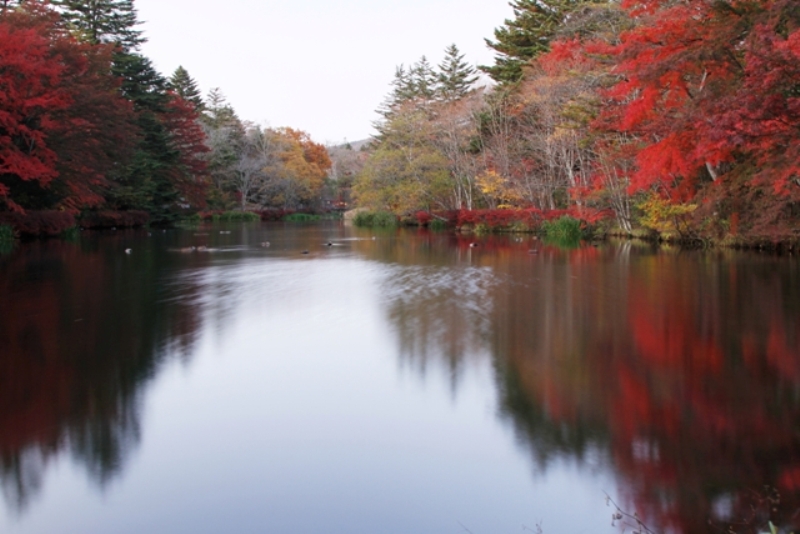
{"type": "Point", "coordinates": [423, 79]}
{"type": "Point", "coordinates": [185, 86]}
{"type": "Point", "coordinates": [103, 21]}
{"type": "Point", "coordinates": [528, 35]}
{"type": "Point", "coordinates": [456, 77]}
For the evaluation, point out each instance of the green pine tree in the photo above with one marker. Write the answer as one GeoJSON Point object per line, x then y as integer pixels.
{"type": "Point", "coordinates": [185, 86]}
{"type": "Point", "coordinates": [535, 24]}
{"type": "Point", "coordinates": [103, 21]}
{"type": "Point", "coordinates": [402, 91]}
{"type": "Point", "coordinates": [141, 83]}
{"type": "Point", "coordinates": [456, 77]}
{"type": "Point", "coordinates": [423, 79]}
{"type": "Point", "coordinates": [148, 182]}
{"type": "Point", "coordinates": [217, 112]}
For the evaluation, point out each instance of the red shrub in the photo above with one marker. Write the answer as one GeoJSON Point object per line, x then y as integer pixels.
{"type": "Point", "coordinates": [423, 218]}
{"type": "Point", "coordinates": [498, 219]}
{"type": "Point", "coordinates": [38, 223]}
{"type": "Point", "coordinates": [274, 214]}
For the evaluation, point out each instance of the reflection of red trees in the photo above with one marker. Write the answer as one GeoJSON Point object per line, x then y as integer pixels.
{"type": "Point", "coordinates": [706, 387]}
{"type": "Point", "coordinates": [82, 330]}
{"type": "Point", "coordinates": [691, 368]}
{"type": "Point", "coordinates": [684, 365]}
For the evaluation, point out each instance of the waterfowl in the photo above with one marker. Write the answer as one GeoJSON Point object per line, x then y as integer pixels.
{"type": "Point", "coordinates": [328, 244]}
{"type": "Point", "coordinates": [473, 245]}
{"type": "Point", "coordinates": [305, 252]}
{"type": "Point", "coordinates": [128, 251]}
{"type": "Point", "coordinates": [265, 243]}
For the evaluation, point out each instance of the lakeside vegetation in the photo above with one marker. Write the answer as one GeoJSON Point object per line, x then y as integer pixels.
{"type": "Point", "coordinates": [91, 135]}
{"type": "Point", "coordinates": [662, 120]}
{"type": "Point", "coordinates": [675, 121]}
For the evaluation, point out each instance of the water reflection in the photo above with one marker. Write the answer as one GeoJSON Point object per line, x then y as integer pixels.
{"type": "Point", "coordinates": [681, 369]}
{"type": "Point", "coordinates": [84, 328]}
{"type": "Point", "coordinates": [443, 310]}
{"type": "Point", "coordinates": [678, 370]}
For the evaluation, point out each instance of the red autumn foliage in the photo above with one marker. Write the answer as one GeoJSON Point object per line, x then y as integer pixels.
{"type": "Point", "coordinates": [705, 86]}
{"type": "Point", "coordinates": [188, 138]}
{"type": "Point", "coordinates": [500, 218]}
{"type": "Point", "coordinates": [97, 133]}
{"type": "Point", "coordinates": [29, 102]}
{"type": "Point", "coordinates": [38, 223]}
{"type": "Point", "coordinates": [274, 214]}
{"type": "Point", "coordinates": [423, 218]}
{"type": "Point", "coordinates": [63, 124]}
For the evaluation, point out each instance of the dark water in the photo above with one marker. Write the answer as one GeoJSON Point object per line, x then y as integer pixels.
{"type": "Point", "coordinates": [402, 384]}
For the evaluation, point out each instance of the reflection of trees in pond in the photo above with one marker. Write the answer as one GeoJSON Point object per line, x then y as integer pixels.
{"type": "Point", "coordinates": [681, 369]}
{"type": "Point", "coordinates": [83, 330]}
{"type": "Point", "coordinates": [440, 312]}
{"type": "Point", "coordinates": [707, 401]}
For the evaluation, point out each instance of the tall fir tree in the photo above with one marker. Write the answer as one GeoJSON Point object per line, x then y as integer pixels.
{"type": "Point", "coordinates": [103, 21]}
{"type": "Point", "coordinates": [456, 77]}
{"type": "Point", "coordinates": [218, 113]}
{"type": "Point", "coordinates": [423, 79]}
{"type": "Point", "coordinates": [402, 91]}
{"type": "Point", "coordinates": [185, 87]}
{"type": "Point", "coordinates": [147, 184]}
{"type": "Point", "coordinates": [527, 35]}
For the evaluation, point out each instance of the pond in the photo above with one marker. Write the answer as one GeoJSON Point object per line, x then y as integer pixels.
{"type": "Point", "coordinates": [395, 382]}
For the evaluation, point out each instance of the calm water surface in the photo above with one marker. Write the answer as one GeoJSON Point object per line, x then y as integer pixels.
{"type": "Point", "coordinates": [392, 383]}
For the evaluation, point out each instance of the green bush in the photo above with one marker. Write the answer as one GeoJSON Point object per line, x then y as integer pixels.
{"type": "Point", "coordinates": [7, 241]}
{"type": "Point", "coordinates": [438, 225]}
{"type": "Point", "coordinates": [188, 223]}
{"type": "Point", "coordinates": [482, 229]}
{"type": "Point", "coordinates": [301, 217]}
{"type": "Point", "coordinates": [237, 216]}
{"type": "Point", "coordinates": [71, 234]}
{"type": "Point", "coordinates": [565, 231]}
{"type": "Point", "coordinates": [375, 219]}
{"type": "Point", "coordinates": [6, 233]}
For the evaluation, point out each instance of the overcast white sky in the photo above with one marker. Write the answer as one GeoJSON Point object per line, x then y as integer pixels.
{"type": "Point", "coordinates": [320, 66]}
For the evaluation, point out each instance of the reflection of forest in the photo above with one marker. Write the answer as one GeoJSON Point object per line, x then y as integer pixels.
{"type": "Point", "coordinates": [82, 330]}
{"type": "Point", "coordinates": [682, 368]}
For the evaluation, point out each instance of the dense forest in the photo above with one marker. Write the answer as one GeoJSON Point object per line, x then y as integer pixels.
{"type": "Point", "coordinates": [666, 117]}
{"type": "Point", "coordinates": [92, 134]}
{"type": "Point", "coordinates": [646, 117]}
